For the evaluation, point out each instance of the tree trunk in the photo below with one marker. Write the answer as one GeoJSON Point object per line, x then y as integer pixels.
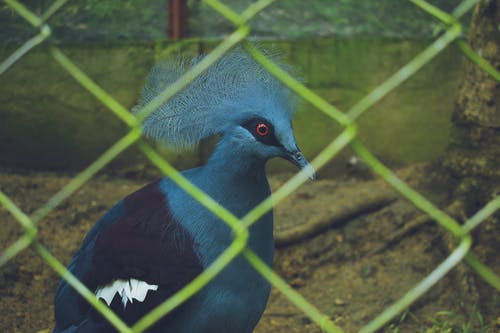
{"type": "Point", "coordinates": [473, 156]}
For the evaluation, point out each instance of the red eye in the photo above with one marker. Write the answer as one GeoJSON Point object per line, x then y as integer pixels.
{"type": "Point", "coordinates": [262, 129]}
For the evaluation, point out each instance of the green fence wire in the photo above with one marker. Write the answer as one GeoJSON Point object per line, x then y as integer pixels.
{"type": "Point", "coordinates": [451, 34]}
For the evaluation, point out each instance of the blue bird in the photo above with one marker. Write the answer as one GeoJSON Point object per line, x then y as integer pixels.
{"type": "Point", "coordinates": [158, 239]}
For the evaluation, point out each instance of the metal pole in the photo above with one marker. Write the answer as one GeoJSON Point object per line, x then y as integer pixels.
{"type": "Point", "coordinates": [177, 14]}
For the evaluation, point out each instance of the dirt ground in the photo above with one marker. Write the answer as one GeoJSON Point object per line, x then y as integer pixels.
{"type": "Point", "coordinates": [345, 267]}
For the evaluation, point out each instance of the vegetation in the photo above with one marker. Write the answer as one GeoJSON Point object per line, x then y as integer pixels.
{"type": "Point", "coordinates": [136, 20]}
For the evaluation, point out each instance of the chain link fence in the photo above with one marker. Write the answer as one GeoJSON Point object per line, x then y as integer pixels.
{"type": "Point", "coordinates": [452, 34]}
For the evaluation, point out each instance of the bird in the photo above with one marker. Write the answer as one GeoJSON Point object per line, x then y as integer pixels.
{"type": "Point", "coordinates": [159, 238]}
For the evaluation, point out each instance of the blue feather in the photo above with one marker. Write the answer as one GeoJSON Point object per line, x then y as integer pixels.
{"type": "Point", "coordinates": [233, 88]}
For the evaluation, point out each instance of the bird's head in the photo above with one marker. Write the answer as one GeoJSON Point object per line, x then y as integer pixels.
{"type": "Point", "coordinates": [264, 135]}
{"type": "Point", "coordinates": [235, 98]}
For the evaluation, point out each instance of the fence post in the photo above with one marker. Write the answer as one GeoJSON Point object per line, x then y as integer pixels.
{"type": "Point", "coordinates": [177, 18]}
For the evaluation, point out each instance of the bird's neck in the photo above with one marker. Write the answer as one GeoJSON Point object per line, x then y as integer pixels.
{"type": "Point", "coordinates": [238, 181]}
{"type": "Point", "coordinates": [234, 164]}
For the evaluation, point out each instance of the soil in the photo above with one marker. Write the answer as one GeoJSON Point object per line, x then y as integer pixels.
{"type": "Point", "coordinates": [346, 268]}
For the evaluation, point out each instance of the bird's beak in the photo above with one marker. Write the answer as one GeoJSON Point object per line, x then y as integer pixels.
{"type": "Point", "coordinates": [297, 158]}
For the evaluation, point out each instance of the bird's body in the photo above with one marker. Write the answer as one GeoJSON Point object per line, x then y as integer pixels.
{"type": "Point", "coordinates": [159, 238]}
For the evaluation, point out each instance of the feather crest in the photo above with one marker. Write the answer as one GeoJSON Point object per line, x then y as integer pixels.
{"type": "Point", "coordinates": [235, 88]}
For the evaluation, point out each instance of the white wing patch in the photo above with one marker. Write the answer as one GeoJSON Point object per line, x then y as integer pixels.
{"type": "Point", "coordinates": [127, 289]}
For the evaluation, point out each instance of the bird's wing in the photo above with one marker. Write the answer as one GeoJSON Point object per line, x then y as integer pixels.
{"type": "Point", "coordinates": [138, 240]}
{"type": "Point", "coordinates": [146, 243]}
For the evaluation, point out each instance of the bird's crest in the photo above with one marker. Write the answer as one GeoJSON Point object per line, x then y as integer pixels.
{"type": "Point", "coordinates": [236, 87]}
